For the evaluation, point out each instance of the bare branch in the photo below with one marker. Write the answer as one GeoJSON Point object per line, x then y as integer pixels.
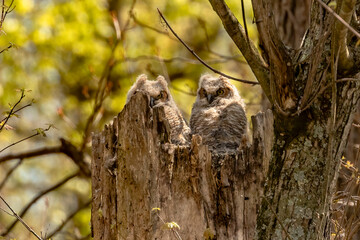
{"type": "Point", "coordinates": [235, 58]}
{"type": "Point", "coordinates": [202, 61]}
{"type": "Point", "coordinates": [20, 219]}
{"type": "Point", "coordinates": [31, 136]}
{"type": "Point", "coordinates": [60, 227]}
{"type": "Point", "coordinates": [30, 154]}
{"type": "Point", "coordinates": [9, 173]}
{"type": "Point", "coordinates": [184, 59]}
{"type": "Point", "coordinates": [281, 68]}
{"type": "Point", "coordinates": [4, 12]}
{"type": "Point", "coordinates": [76, 155]}
{"type": "Point", "coordinates": [66, 148]}
{"type": "Point", "coordinates": [7, 48]}
{"type": "Point", "coordinates": [36, 198]}
{"type": "Point", "coordinates": [247, 48]}
{"type": "Point", "coordinates": [244, 19]}
{"type": "Point", "coordinates": [19, 109]}
{"type": "Point", "coordinates": [3, 123]}
{"type": "Point", "coordinates": [327, 8]}
{"type": "Point", "coordinates": [137, 21]}
{"type": "Point", "coordinates": [342, 27]}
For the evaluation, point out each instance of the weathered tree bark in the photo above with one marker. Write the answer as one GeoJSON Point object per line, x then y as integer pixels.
{"type": "Point", "coordinates": [136, 169]}
{"type": "Point", "coordinates": [314, 91]}
{"type": "Point", "coordinates": [292, 20]}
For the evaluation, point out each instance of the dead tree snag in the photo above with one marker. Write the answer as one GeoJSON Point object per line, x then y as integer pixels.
{"type": "Point", "coordinates": [135, 169]}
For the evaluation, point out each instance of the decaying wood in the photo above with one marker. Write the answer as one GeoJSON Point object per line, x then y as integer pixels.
{"type": "Point", "coordinates": [136, 169]}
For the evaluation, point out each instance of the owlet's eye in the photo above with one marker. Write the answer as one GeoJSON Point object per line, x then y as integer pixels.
{"type": "Point", "coordinates": [220, 91]}
{"type": "Point", "coordinates": [158, 96]}
{"type": "Point", "coordinates": [202, 93]}
{"type": "Point", "coordinates": [162, 95]}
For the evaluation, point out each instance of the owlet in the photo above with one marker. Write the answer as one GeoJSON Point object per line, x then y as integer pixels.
{"type": "Point", "coordinates": [160, 96]}
{"type": "Point", "coordinates": [218, 114]}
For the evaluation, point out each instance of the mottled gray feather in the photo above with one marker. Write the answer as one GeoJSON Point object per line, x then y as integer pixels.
{"type": "Point", "coordinates": [180, 132]}
{"type": "Point", "coordinates": [219, 118]}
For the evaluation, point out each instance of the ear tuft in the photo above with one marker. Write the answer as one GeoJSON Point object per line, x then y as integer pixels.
{"type": "Point", "coordinates": [222, 78]}
{"type": "Point", "coordinates": [141, 79]}
{"type": "Point", "coordinates": [162, 80]}
{"type": "Point", "coordinates": [204, 77]}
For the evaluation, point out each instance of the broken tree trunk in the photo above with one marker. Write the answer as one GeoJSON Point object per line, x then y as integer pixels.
{"type": "Point", "coordinates": [136, 171]}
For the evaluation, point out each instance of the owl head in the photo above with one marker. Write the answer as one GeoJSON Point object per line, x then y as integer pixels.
{"type": "Point", "coordinates": [157, 89]}
{"type": "Point", "coordinates": [214, 91]}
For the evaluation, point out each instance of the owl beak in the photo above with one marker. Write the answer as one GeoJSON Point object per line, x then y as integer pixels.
{"type": "Point", "coordinates": [210, 98]}
{"type": "Point", "coordinates": [152, 102]}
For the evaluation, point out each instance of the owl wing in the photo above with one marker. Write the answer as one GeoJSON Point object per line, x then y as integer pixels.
{"type": "Point", "coordinates": [233, 125]}
{"type": "Point", "coordinates": [180, 132]}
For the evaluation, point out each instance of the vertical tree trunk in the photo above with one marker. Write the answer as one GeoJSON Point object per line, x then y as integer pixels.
{"type": "Point", "coordinates": [302, 176]}
{"type": "Point", "coordinates": [313, 91]}
{"type": "Point", "coordinates": [135, 170]}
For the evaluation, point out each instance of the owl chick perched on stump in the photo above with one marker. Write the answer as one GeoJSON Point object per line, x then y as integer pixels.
{"type": "Point", "coordinates": [218, 114]}
{"type": "Point", "coordinates": [160, 96]}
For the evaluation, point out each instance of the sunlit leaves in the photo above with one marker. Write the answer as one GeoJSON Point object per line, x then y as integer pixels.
{"type": "Point", "coordinates": [62, 48]}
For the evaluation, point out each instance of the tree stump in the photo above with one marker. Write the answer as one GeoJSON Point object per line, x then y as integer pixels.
{"type": "Point", "coordinates": [142, 184]}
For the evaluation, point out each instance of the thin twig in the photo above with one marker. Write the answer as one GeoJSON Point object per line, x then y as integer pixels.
{"type": "Point", "coordinates": [183, 59]}
{"type": "Point", "coordinates": [3, 123]}
{"type": "Point", "coordinates": [31, 136]}
{"type": "Point", "coordinates": [132, 15]}
{"type": "Point", "coordinates": [20, 219]}
{"type": "Point", "coordinates": [9, 9]}
{"type": "Point", "coordinates": [21, 140]}
{"type": "Point", "coordinates": [9, 173]}
{"type": "Point", "coordinates": [37, 197]}
{"type": "Point", "coordinates": [177, 235]}
{"type": "Point", "coordinates": [202, 61]}
{"type": "Point", "coordinates": [126, 25]}
{"type": "Point", "coordinates": [2, 12]}
{"type": "Point", "coordinates": [244, 20]}
{"type": "Point", "coordinates": [17, 110]}
{"type": "Point", "coordinates": [7, 48]}
{"type": "Point", "coordinates": [339, 18]}
{"type": "Point", "coordinates": [60, 227]}
{"type": "Point", "coordinates": [234, 58]}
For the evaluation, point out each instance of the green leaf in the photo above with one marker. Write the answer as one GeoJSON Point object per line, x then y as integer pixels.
{"type": "Point", "coordinates": [40, 131]}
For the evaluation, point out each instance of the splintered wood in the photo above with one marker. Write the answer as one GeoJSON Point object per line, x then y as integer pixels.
{"type": "Point", "coordinates": [144, 187]}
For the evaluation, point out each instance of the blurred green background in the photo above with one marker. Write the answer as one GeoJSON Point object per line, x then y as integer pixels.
{"type": "Point", "coordinates": [60, 49]}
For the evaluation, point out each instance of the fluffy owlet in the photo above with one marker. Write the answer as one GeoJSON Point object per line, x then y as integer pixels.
{"type": "Point", "coordinates": [218, 114]}
{"type": "Point", "coordinates": [160, 96]}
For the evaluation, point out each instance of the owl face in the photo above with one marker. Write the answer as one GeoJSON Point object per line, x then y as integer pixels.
{"type": "Point", "coordinates": [213, 91]}
{"type": "Point", "coordinates": [157, 90]}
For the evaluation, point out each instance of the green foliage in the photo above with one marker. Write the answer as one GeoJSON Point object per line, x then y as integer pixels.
{"type": "Point", "coordinates": [59, 51]}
